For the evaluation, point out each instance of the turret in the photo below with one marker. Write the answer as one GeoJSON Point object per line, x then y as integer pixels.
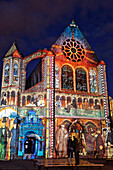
{"type": "Point", "coordinates": [11, 76]}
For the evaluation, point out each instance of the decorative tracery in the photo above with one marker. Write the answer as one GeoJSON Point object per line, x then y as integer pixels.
{"type": "Point", "coordinates": [73, 50]}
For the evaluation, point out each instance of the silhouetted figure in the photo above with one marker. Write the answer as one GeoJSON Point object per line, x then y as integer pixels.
{"type": "Point", "coordinates": [76, 150]}
{"type": "Point", "coordinates": [69, 149]}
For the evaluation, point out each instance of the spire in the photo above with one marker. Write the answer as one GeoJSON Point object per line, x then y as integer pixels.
{"type": "Point", "coordinates": [11, 50]}
{"type": "Point", "coordinates": [73, 24]}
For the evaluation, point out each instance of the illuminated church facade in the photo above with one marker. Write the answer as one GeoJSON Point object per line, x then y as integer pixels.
{"type": "Point", "coordinates": [65, 95]}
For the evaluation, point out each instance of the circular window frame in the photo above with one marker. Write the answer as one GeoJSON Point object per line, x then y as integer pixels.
{"type": "Point", "coordinates": [73, 50]}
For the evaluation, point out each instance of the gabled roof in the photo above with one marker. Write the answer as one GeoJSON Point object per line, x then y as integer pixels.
{"type": "Point", "coordinates": [73, 33]}
{"type": "Point", "coordinates": [14, 49]}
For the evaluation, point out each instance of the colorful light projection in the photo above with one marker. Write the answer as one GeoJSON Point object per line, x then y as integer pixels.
{"type": "Point", "coordinates": [8, 133]}
{"type": "Point", "coordinates": [73, 50]}
{"type": "Point", "coordinates": [31, 136]}
{"type": "Point", "coordinates": [57, 83]}
{"type": "Point", "coordinates": [67, 77]}
{"type": "Point", "coordinates": [50, 106]}
{"type": "Point", "coordinates": [89, 134]}
{"type": "Point", "coordinates": [103, 90]}
{"type": "Point", "coordinates": [75, 99]}
{"type": "Point", "coordinates": [35, 99]}
{"type": "Point", "coordinates": [15, 73]}
{"type": "Point", "coordinates": [6, 73]}
{"type": "Point", "coordinates": [81, 81]}
{"type": "Point", "coordinates": [93, 81]}
{"type": "Point", "coordinates": [72, 105]}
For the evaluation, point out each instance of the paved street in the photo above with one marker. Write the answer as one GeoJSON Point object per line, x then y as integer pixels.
{"type": "Point", "coordinates": [58, 164]}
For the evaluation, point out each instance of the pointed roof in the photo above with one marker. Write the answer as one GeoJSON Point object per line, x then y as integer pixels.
{"type": "Point", "coordinates": [71, 37]}
{"type": "Point", "coordinates": [13, 50]}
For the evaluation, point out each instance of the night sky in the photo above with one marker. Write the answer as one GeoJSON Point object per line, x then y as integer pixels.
{"type": "Point", "coordinates": [36, 24]}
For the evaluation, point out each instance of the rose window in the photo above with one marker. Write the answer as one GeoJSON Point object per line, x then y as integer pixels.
{"type": "Point", "coordinates": [73, 50]}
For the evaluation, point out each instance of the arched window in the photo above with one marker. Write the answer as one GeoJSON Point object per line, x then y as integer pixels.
{"type": "Point", "coordinates": [28, 99]}
{"type": "Point", "coordinates": [8, 94]}
{"type": "Point", "coordinates": [74, 103]}
{"type": "Point", "coordinates": [15, 73]}
{"type": "Point", "coordinates": [13, 97]}
{"type": "Point", "coordinates": [91, 103]}
{"type": "Point", "coordinates": [3, 99]}
{"type": "Point", "coordinates": [23, 101]}
{"type": "Point", "coordinates": [56, 76]}
{"type": "Point", "coordinates": [63, 101]}
{"type": "Point", "coordinates": [6, 73]}
{"type": "Point", "coordinates": [81, 81]}
{"type": "Point", "coordinates": [67, 77]}
{"type": "Point", "coordinates": [102, 103]}
{"type": "Point", "coordinates": [18, 98]}
{"type": "Point", "coordinates": [85, 104]}
{"type": "Point", "coordinates": [93, 81]}
{"type": "Point", "coordinates": [97, 104]}
{"type": "Point", "coordinates": [68, 100]}
{"type": "Point", "coordinates": [80, 103]}
{"type": "Point", "coordinates": [58, 101]}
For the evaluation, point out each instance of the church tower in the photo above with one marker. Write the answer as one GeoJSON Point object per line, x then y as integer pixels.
{"type": "Point", "coordinates": [11, 77]}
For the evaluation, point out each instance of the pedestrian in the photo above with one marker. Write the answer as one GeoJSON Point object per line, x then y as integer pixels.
{"type": "Point", "coordinates": [70, 150]}
{"type": "Point", "coordinates": [76, 150]}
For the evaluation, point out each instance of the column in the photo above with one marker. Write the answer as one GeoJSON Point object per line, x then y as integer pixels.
{"type": "Point", "coordinates": [50, 116]}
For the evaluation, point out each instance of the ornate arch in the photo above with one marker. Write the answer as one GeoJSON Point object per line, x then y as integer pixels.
{"type": "Point", "coordinates": [79, 122]}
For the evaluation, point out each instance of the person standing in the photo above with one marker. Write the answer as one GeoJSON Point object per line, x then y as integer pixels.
{"type": "Point", "coordinates": [69, 149]}
{"type": "Point", "coordinates": [76, 150]}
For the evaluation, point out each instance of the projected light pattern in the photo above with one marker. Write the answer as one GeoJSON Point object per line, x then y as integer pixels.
{"type": "Point", "coordinates": [66, 95]}
{"type": "Point", "coordinates": [73, 50]}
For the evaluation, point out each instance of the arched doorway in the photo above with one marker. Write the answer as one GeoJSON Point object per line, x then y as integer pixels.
{"type": "Point", "coordinates": [77, 129]}
{"type": "Point", "coordinates": [31, 145]}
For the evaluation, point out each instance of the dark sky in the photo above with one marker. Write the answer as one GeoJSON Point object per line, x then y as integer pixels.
{"type": "Point", "coordinates": [36, 24]}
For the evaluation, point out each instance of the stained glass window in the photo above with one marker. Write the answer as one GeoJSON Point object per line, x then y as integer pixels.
{"type": "Point", "coordinates": [93, 81]}
{"type": "Point", "coordinates": [15, 73]}
{"type": "Point", "coordinates": [67, 77]}
{"type": "Point", "coordinates": [73, 50]}
{"type": "Point", "coordinates": [56, 77]}
{"type": "Point", "coordinates": [6, 73]}
{"type": "Point", "coordinates": [81, 81]}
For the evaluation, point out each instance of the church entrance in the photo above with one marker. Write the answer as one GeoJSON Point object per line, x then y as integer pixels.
{"type": "Point", "coordinates": [77, 130]}
{"type": "Point", "coordinates": [31, 145]}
